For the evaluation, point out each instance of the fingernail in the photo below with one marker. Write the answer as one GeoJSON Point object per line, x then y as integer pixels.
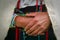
{"type": "Point", "coordinates": [26, 33]}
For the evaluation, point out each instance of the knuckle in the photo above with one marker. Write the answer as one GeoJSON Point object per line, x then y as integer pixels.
{"type": "Point", "coordinates": [39, 24]}
{"type": "Point", "coordinates": [35, 20]}
{"type": "Point", "coordinates": [42, 27]}
{"type": "Point", "coordinates": [39, 33]}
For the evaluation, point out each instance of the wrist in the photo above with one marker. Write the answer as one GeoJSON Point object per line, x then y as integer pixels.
{"type": "Point", "coordinates": [21, 21]}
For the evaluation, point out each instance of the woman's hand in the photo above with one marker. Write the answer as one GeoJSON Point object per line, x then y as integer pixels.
{"type": "Point", "coordinates": [36, 25]}
{"type": "Point", "coordinates": [39, 24]}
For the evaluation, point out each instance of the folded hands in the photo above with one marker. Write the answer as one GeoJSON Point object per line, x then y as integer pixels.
{"type": "Point", "coordinates": [34, 23]}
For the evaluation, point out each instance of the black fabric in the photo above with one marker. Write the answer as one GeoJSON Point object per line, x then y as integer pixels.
{"type": "Point", "coordinates": [11, 35]}
{"type": "Point", "coordinates": [51, 35]}
{"type": "Point", "coordinates": [11, 31]}
{"type": "Point", "coordinates": [31, 9]}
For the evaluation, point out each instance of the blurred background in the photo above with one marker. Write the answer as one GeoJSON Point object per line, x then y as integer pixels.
{"type": "Point", "coordinates": [6, 11]}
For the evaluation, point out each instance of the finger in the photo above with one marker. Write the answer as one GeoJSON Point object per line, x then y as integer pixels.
{"type": "Point", "coordinates": [33, 28]}
{"type": "Point", "coordinates": [30, 25]}
{"type": "Point", "coordinates": [43, 28]}
{"type": "Point", "coordinates": [37, 25]}
{"type": "Point", "coordinates": [35, 33]}
{"type": "Point", "coordinates": [37, 30]}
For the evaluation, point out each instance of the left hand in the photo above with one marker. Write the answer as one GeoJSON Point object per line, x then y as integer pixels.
{"type": "Point", "coordinates": [39, 24]}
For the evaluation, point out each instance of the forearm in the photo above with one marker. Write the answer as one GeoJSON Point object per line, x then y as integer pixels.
{"type": "Point", "coordinates": [22, 21]}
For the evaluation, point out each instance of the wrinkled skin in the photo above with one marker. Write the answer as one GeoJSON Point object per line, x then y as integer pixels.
{"type": "Point", "coordinates": [36, 25]}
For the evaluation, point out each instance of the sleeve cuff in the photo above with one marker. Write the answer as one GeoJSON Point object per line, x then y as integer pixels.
{"type": "Point", "coordinates": [12, 21]}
